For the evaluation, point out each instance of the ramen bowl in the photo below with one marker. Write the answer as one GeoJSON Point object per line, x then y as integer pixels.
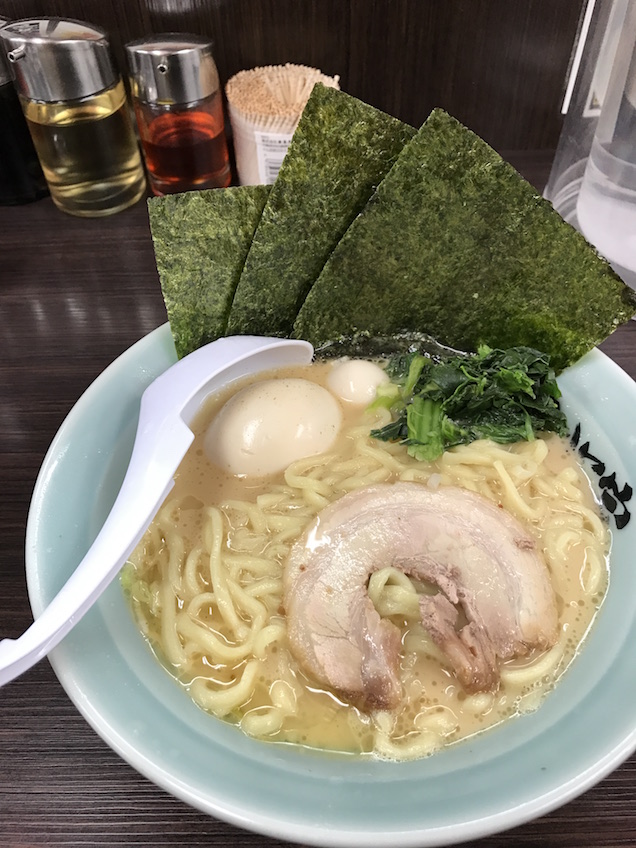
{"type": "Point", "coordinates": [485, 784]}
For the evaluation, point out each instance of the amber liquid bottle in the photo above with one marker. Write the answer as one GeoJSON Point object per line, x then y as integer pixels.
{"type": "Point", "coordinates": [179, 113]}
{"type": "Point", "coordinates": [185, 148]}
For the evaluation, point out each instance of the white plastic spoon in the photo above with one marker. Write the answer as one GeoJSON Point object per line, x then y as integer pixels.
{"type": "Point", "coordinates": [167, 408]}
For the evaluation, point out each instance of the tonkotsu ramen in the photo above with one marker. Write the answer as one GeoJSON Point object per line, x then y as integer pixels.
{"type": "Point", "coordinates": [319, 587]}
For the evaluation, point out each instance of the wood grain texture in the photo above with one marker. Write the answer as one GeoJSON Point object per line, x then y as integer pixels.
{"type": "Point", "coordinates": [497, 65]}
{"type": "Point", "coordinates": [74, 294]}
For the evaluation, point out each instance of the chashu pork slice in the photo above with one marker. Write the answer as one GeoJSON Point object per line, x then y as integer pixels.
{"type": "Point", "coordinates": [480, 557]}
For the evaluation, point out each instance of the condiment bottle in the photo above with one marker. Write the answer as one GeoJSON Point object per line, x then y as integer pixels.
{"type": "Point", "coordinates": [179, 109]}
{"type": "Point", "coordinates": [21, 177]}
{"type": "Point", "coordinates": [76, 109]}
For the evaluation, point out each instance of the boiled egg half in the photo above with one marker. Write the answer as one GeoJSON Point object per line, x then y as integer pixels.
{"type": "Point", "coordinates": [270, 424]}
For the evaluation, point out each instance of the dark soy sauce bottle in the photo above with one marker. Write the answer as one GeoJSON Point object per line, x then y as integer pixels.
{"type": "Point", "coordinates": [21, 177]}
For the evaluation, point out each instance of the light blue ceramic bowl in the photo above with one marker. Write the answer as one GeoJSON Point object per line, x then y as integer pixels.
{"type": "Point", "coordinates": [495, 781]}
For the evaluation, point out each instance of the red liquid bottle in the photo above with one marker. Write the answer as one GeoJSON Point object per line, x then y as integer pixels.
{"type": "Point", "coordinates": [179, 112]}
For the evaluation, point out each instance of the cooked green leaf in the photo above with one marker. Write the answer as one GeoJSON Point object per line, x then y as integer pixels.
{"type": "Point", "coordinates": [456, 244]}
{"type": "Point", "coordinates": [424, 419]}
{"type": "Point", "coordinates": [201, 239]}
{"type": "Point", "coordinates": [502, 395]}
{"type": "Point", "coordinates": [340, 151]}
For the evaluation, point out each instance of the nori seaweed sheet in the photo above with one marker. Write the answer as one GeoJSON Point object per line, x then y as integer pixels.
{"type": "Point", "coordinates": [456, 244]}
{"type": "Point", "coordinates": [340, 151]}
{"type": "Point", "coordinates": [201, 239]}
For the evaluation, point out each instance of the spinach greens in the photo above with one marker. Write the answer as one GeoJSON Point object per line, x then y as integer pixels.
{"type": "Point", "coordinates": [502, 395]}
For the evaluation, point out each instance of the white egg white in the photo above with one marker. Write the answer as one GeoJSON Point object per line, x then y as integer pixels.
{"type": "Point", "coordinates": [355, 381]}
{"type": "Point", "coordinates": [269, 424]}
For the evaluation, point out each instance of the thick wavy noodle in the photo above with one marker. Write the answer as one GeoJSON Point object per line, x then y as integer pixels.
{"type": "Point", "coordinates": [206, 588]}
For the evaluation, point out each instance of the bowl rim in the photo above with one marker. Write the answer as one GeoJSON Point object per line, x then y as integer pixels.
{"type": "Point", "coordinates": [156, 350]}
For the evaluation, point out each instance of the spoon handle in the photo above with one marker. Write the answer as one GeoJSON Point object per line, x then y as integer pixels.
{"type": "Point", "coordinates": [157, 452]}
{"type": "Point", "coordinates": [163, 437]}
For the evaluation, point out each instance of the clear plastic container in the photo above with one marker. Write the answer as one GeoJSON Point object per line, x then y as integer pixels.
{"type": "Point", "coordinates": [606, 205]}
{"type": "Point", "coordinates": [593, 179]}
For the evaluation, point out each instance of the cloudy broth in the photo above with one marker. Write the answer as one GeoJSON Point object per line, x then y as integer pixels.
{"type": "Point", "coordinates": [435, 710]}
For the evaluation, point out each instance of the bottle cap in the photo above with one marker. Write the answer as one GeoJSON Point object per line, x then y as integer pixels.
{"type": "Point", "coordinates": [172, 68]}
{"type": "Point", "coordinates": [55, 59]}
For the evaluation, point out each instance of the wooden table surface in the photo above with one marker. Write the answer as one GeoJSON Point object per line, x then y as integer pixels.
{"type": "Point", "coordinates": [74, 294]}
